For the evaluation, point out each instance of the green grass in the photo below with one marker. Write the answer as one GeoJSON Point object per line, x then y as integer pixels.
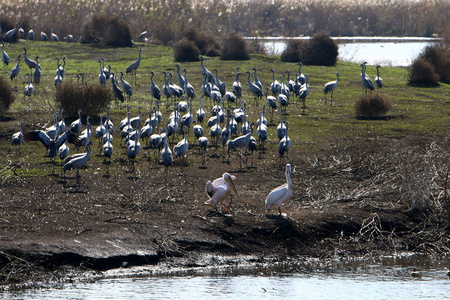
{"type": "Point", "coordinates": [416, 111]}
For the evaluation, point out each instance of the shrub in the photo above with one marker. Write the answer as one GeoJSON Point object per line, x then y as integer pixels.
{"type": "Point", "coordinates": [90, 98]}
{"type": "Point", "coordinates": [204, 42]}
{"type": "Point", "coordinates": [6, 95]}
{"type": "Point", "coordinates": [234, 48]}
{"type": "Point", "coordinates": [105, 30]}
{"type": "Point", "coordinates": [439, 57]}
{"type": "Point", "coordinates": [185, 50]}
{"type": "Point", "coordinates": [422, 72]}
{"type": "Point", "coordinates": [373, 105]}
{"type": "Point", "coordinates": [321, 50]}
{"type": "Point", "coordinates": [293, 51]}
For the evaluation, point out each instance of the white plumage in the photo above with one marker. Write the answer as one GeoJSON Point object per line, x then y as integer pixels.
{"type": "Point", "coordinates": [282, 193]}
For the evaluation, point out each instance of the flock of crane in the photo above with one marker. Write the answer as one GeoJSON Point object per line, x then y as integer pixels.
{"type": "Point", "coordinates": [236, 134]}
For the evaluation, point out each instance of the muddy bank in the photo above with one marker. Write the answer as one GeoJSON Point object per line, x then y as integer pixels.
{"type": "Point", "coordinates": [350, 200]}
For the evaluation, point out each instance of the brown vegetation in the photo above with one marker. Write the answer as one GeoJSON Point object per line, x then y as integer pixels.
{"type": "Point", "coordinates": [185, 50]}
{"type": "Point", "coordinates": [6, 95]}
{"type": "Point", "coordinates": [92, 98]}
{"type": "Point", "coordinates": [373, 105]}
{"type": "Point", "coordinates": [166, 20]}
{"type": "Point", "coordinates": [105, 30]}
{"type": "Point", "coordinates": [234, 47]}
{"type": "Point", "coordinates": [421, 72]}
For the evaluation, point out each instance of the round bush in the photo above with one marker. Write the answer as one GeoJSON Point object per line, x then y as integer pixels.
{"type": "Point", "coordinates": [321, 51]}
{"type": "Point", "coordinates": [6, 95]}
{"type": "Point", "coordinates": [439, 57]}
{"type": "Point", "coordinates": [106, 30]}
{"type": "Point", "coordinates": [185, 50]}
{"type": "Point", "coordinates": [92, 99]}
{"type": "Point", "coordinates": [423, 73]}
{"type": "Point", "coordinates": [292, 52]}
{"type": "Point", "coordinates": [234, 47]}
{"type": "Point", "coordinates": [373, 105]}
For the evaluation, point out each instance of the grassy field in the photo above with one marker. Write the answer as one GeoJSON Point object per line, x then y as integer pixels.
{"type": "Point", "coordinates": [416, 110]}
{"type": "Point", "coordinates": [355, 180]}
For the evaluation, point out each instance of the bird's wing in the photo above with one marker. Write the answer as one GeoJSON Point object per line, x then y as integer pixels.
{"type": "Point", "coordinates": [210, 189]}
{"type": "Point", "coordinates": [276, 194]}
{"type": "Point", "coordinates": [38, 135]}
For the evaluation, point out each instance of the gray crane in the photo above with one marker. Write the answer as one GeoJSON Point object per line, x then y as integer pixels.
{"type": "Point", "coordinates": [154, 89]}
{"type": "Point", "coordinates": [221, 85]}
{"type": "Point", "coordinates": [101, 76]}
{"type": "Point", "coordinates": [37, 72]}
{"type": "Point", "coordinates": [118, 93]}
{"type": "Point", "coordinates": [254, 89]}
{"type": "Point", "coordinates": [365, 79]}
{"type": "Point", "coordinates": [275, 85]}
{"type": "Point", "coordinates": [44, 36]}
{"type": "Point", "coordinates": [132, 68]}
{"type": "Point", "coordinates": [378, 80]}
{"type": "Point", "coordinates": [257, 82]}
{"type": "Point", "coordinates": [5, 56]}
{"type": "Point", "coordinates": [53, 36]}
{"type": "Point", "coordinates": [237, 88]}
{"type": "Point", "coordinates": [31, 32]}
{"type": "Point", "coordinates": [78, 162]}
{"type": "Point", "coordinates": [209, 74]}
{"type": "Point", "coordinates": [271, 102]}
{"type": "Point", "coordinates": [285, 143]}
{"type": "Point", "coordinates": [188, 88]}
{"type": "Point", "coordinates": [30, 63]}
{"type": "Point", "coordinates": [28, 91]}
{"type": "Point", "coordinates": [329, 87]}
{"type": "Point", "coordinates": [16, 70]}
{"type": "Point", "coordinates": [180, 78]}
{"type": "Point", "coordinates": [166, 154]}
{"type": "Point", "coordinates": [10, 34]}
{"type": "Point", "coordinates": [17, 138]}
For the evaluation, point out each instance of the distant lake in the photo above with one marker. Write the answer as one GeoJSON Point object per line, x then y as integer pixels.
{"type": "Point", "coordinates": [376, 51]}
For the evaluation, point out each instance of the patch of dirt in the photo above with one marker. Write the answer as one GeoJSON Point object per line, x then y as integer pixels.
{"type": "Point", "coordinates": [351, 198]}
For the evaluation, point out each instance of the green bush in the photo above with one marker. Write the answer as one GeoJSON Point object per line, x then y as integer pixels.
{"type": "Point", "coordinates": [321, 50]}
{"type": "Point", "coordinates": [234, 47]}
{"type": "Point", "coordinates": [421, 72]}
{"type": "Point", "coordinates": [373, 105]}
{"type": "Point", "coordinates": [92, 99]}
{"type": "Point", "coordinates": [186, 50]}
{"type": "Point", "coordinates": [106, 30]}
{"type": "Point", "coordinates": [293, 51]}
{"type": "Point", "coordinates": [439, 57]}
{"type": "Point", "coordinates": [6, 95]}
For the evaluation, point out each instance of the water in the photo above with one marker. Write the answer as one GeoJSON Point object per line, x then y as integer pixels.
{"type": "Point", "coordinates": [386, 278]}
{"type": "Point", "coordinates": [386, 53]}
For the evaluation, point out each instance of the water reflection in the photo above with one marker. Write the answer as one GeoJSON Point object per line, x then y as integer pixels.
{"type": "Point", "coordinates": [376, 53]}
{"type": "Point", "coordinates": [381, 278]}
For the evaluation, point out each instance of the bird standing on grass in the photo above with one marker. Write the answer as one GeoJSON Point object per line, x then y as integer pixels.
{"type": "Point", "coordinates": [378, 80]}
{"type": "Point", "coordinates": [132, 68]}
{"type": "Point", "coordinates": [330, 87]}
{"type": "Point", "coordinates": [220, 189]}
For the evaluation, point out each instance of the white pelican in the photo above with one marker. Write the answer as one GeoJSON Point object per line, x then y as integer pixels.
{"type": "Point", "coordinates": [220, 189]}
{"type": "Point", "coordinates": [282, 193]}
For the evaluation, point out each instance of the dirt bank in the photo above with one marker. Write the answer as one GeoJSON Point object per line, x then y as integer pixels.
{"type": "Point", "coordinates": [351, 198]}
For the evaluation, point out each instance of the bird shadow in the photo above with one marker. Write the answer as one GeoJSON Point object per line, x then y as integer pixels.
{"type": "Point", "coordinates": [228, 219]}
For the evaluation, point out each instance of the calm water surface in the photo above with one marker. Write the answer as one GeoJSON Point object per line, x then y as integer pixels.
{"type": "Point", "coordinates": [375, 53]}
{"type": "Point", "coordinates": [387, 278]}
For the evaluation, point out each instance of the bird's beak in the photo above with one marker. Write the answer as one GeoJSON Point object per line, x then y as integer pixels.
{"type": "Point", "coordinates": [230, 181]}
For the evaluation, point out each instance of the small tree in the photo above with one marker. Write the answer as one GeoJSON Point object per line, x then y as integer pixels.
{"type": "Point", "coordinates": [234, 47]}
{"type": "Point", "coordinates": [438, 56]}
{"type": "Point", "coordinates": [185, 50]}
{"type": "Point", "coordinates": [6, 95]}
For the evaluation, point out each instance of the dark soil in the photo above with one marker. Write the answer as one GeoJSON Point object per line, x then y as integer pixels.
{"type": "Point", "coordinates": [351, 198]}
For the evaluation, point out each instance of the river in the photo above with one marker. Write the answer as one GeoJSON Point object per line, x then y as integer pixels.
{"type": "Point", "coordinates": [397, 52]}
{"type": "Point", "coordinates": [380, 278]}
